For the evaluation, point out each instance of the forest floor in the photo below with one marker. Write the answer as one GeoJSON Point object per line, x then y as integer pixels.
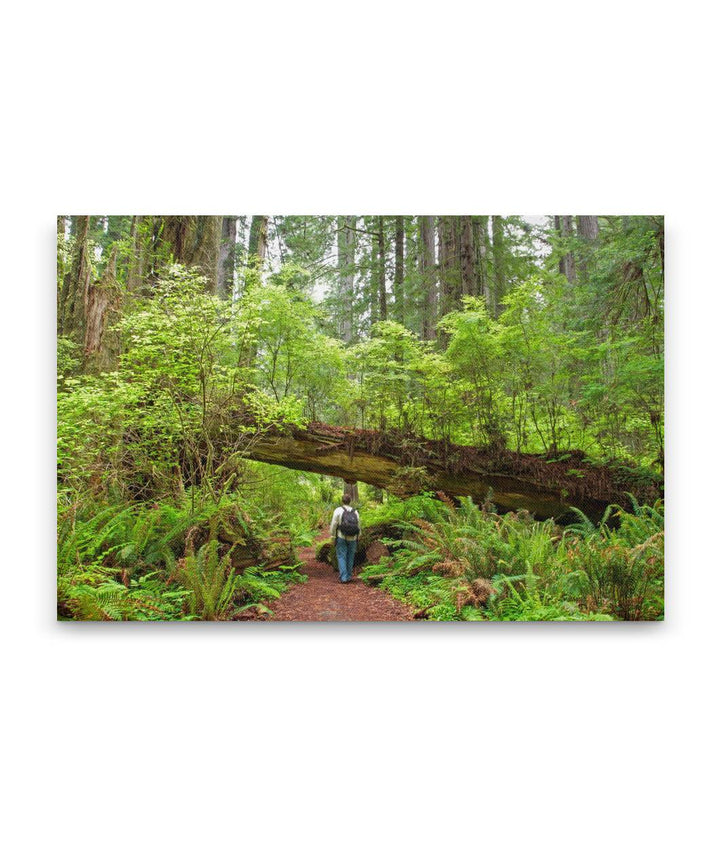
{"type": "Point", "coordinates": [324, 598]}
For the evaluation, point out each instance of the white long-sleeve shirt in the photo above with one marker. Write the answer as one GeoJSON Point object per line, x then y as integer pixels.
{"type": "Point", "coordinates": [335, 522]}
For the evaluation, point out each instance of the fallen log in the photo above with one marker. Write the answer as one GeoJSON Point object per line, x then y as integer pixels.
{"type": "Point", "coordinates": [407, 465]}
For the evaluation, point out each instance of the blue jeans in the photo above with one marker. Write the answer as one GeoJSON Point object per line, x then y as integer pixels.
{"type": "Point", "coordinates": [345, 551]}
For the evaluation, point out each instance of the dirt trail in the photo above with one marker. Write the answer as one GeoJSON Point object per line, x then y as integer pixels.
{"type": "Point", "coordinates": [324, 598]}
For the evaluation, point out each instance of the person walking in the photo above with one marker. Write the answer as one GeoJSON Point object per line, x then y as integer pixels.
{"type": "Point", "coordinates": [345, 529]}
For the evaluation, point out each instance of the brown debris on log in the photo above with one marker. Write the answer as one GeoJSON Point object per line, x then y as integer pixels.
{"type": "Point", "coordinates": [406, 464]}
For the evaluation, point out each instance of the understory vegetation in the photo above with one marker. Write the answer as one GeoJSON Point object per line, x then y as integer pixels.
{"type": "Point", "coordinates": [183, 340]}
{"type": "Point", "coordinates": [165, 561]}
{"type": "Point", "coordinates": [471, 564]}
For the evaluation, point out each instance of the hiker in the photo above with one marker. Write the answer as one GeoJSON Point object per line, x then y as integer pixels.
{"type": "Point", "coordinates": [345, 529]}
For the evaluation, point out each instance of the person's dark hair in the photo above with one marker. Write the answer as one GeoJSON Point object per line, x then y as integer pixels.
{"type": "Point", "coordinates": [346, 499]}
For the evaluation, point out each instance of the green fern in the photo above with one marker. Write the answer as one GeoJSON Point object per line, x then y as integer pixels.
{"type": "Point", "coordinates": [210, 580]}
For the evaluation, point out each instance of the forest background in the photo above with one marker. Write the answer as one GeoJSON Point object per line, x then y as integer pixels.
{"type": "Point", "coordinates": [561, 710]}
{"type": "Point", "coordinates": [187, 343]}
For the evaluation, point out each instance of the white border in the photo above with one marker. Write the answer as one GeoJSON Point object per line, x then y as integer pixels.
{"type": "Point", "coordinates": [513, 739]}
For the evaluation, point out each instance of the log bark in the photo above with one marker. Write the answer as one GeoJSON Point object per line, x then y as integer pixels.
{"type": "Point", "coordinates": [409, 465]}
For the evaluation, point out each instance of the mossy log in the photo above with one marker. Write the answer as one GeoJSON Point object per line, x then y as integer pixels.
{"type": "Point", "coordinates": [407, 465]}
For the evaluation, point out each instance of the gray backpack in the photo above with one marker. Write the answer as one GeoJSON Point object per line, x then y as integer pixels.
{"type": "Point", "coordinates": [349, 522]}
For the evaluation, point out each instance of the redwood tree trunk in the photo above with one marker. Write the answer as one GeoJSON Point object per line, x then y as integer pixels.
{"type": "Point", "coordinates": [73, 296]}
{"type": "Point", "coordinates": [498, 254]}
{"type": "Point", "coordinates": [448, 264]}
{"type": "Point", "coordinates": [351, 488]}
{"type": "Point", "coordinates": [382, 293]}
{"type": "Point", "coordinates": [588, 227]}
{"type": "Point", "coordinates": [429, 276]}
{"type": "Point", "coordinates": [467, 257]}
{"type": "Point", "coordinates": [102, 310]}
{"type": "Point", "coordinates": [257, 247]}
{"type": "Point", "coordinates": [206, 252]}
{"type": "Point", "coordinates": [226, 263]}
{"type": "Point", "coordinates": [589, 231]}
{"type": "Point", "coordinates": [346, 273]}
{"type": "Point", "coordinates": [563, 224]}
{"type": "Point", "coordinates": [194, 242]}
{"type": "Point", "coordinates": [480, 241]}
{"type": "Point", "coordinates": [399, 275]}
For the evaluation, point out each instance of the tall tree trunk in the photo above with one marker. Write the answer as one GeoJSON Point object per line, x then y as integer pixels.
{"type": "Point", "coordinates": [206, 254]}
{"type": "Point", "coordinates": [194, 242]}
{"type": "Point", "coordinates": [346, 273]}
{"type": "Point", "coordinates": [589, 231]}
{"type": "Point", "coordinates": [588, 227]}
{"type": "Point", "coordinates": [178, 235]}
{"type": "Point", "coordinates": [564, 227]}
{"type": "Point", "coordinates": [71, 312]}
{"type": "Point", "coordinates": [382, 293]}
{"type": "Point", "coordinates": [136, 262]}
{"type": "Point", "coordinates": [480, 240]}
{"type": "Point", "coordinates": [412, 307]}
{"type": "Point", "coordinates": [399, 274]}
{"type": "Point", "coordinates": [370, 227]}
{"type": "Point", "coordinates": [448, 264]}
{"type": "Point", "coordinates": [257, 247]}
{"type": "Point", "coordinates": [467, 257]}
{"type": "Point", "coordinates": [429, 276]}
{"type": "Point", "coordinates": [60, 271]}
{"type": "Point", "coordinates": [498, 254]}
{"type": "Point", "coordinates": [226, 261]}
{"type": "Point", "coordinates": [351, 488]}
{"type": "Point", "coordinates": [102, 343]}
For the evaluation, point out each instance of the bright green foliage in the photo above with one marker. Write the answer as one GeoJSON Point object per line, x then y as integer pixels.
{"type": "Point", "coordinates": [109, 564]}
{"type": "Point", "coordinates": [300, 503]}
{"type": "Point", "coordinates": [469, 564]}
{"type": "Point", "coordinates": [621, 567]}
{"type": "Point", "coordinates": [392, 374]}
{"type": "Point", "coordinates": [132, 564]}
{"type": "Point", "coordinates": [476, 362]}
{"type": "Point", "coordinates": [164, 417]}
{"type": "Point", "coordinates": [94, 597]}
{"type": "Point", "coordinates": [209, 579]}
